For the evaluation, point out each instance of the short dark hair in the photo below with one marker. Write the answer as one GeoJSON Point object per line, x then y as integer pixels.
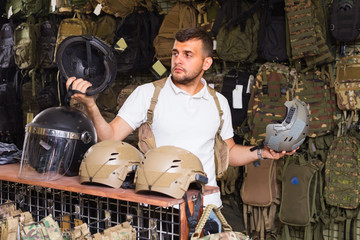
{"type": "Point", "coordinates": [186, 34]}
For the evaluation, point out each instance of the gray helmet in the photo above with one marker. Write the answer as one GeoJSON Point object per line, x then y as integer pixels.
{"type": "Point", "coordinates": [55, 143]}
{"type": "Point", "coordinates": [109, 162]}
{"type": "Point", "coordinates": [291, 133]}
{"type": "Point", "coordinates": [170, 170]}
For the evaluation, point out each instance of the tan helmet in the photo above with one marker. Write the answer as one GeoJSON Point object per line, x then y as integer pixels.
{"type": "Point", "coordinates": [109, 162]}
{"type": "Point", "coordinates": [169, 170]}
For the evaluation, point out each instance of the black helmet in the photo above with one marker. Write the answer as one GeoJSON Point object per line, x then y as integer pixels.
{"type": "Point", "coordinates": [55, 143]}
{"type": "Point", "coordinates": [291, 133]}
{"type": "Point", "coordinates": [89, 58]}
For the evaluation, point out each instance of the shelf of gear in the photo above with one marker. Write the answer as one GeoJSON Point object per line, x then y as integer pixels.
{"type": "Point", "coordinates": [71, 204]}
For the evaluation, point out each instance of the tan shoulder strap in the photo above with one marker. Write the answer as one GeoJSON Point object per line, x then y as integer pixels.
{"type": "Point", "coordinates": [213, 93]}
{"type": "Point", "coordinates": [159, 84]}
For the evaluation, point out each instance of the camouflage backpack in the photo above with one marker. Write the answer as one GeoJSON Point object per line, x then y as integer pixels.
{"type": "Point", "coordinates": [342, 172]}
{"type": "Point", "coordinates": [71, 26]}
{"type": "Point", "coordinates": [105, 28]}
{"type": "Point", "coordinates": [345, 20]}
{"type": "Point", "coordinates": [342, 181]}
{"type": "Point", "coordinates": [180, 16]}
{"type": "Point", "coordinates": [22, 9]}
{"type": "Point", "coordinates": [271, 89]}
{"type": "Point", "coordinates": [313, 87]}
{"type": "Point", "coordinates": [119, 8]}
{"type": "Point", "coordinates": [236, 39]}
{"type": "Point", "coordinates": [25, 44]}
{"type": "Point", "coordinates": [347, 83]}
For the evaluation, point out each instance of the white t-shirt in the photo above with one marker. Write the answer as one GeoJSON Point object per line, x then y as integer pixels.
{"type": "Point", "coordinates": [182, 120]}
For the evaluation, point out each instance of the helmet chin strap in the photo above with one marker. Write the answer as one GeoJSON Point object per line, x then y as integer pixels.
{"type": "Point", "coordinates": [71, 92]}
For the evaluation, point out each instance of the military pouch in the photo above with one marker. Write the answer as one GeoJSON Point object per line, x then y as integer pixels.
{"type": "Point", "coordinates": [46, 44]}
{"type": "Point", "coordinates": [347, 83]}
{"type": "Point", "coordinates": [121, 231]}
{"type": "Point", "coordinates": [146, 138]}
{"type": "Point", "coordinates": [221, 155]}
{"type": "Point", "coordinates": [299, 187]}
{"type": "Point", "coordinates": [259, 187]}
{"type": "Point", "coordinates": [51, 228]}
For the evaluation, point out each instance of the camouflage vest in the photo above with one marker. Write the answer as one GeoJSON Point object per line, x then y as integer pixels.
{"type": "Point", "coordinates": [271, 89]}
{"type": "Point", "coordinates": [307, 32]}
{"type": "Point", "coordinates": [347, 83]}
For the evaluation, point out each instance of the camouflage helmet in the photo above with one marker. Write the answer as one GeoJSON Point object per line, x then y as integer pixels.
{"type": "Point", "coordinates": [169, 170]}
{"type": "Point", "coordinates": [291, 133]}
{"type": "Point", "coordinates": [109, 162]}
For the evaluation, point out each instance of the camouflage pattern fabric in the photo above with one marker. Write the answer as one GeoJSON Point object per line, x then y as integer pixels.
{"type": "Point", "coordinates": [32, 232]}
{"type": "Point", "coordinates": [51, 227]}
{"type": "Point", "coordinates": [9, 229]}
{"type": "Point", "coordinates": [324, 53]}
{"type": "Point", "coordinates": [226, 236]}
{"type": "Point", "coordinates": [347, 83]}
{"type": "Point", "coordinates": [270, 91]}
{"type": "Point", "coordinates": [302, 33]}
{"type": "Point", "coordinates": [8, 209]}
{"type": "Point", "coordinates": [342, 173]}
{"type": "Point", "coordinates": [215, 78]}
{"type": "Point", "coordinates": [123, 231]}
{"type": "Point", "coordinates": [314, 88]}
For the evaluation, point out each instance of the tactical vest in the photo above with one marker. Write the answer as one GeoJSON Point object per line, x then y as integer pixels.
{"type": "Point", "coordinates": [147, 139]}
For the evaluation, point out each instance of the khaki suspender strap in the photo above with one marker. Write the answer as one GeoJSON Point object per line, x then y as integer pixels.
{"type": "Point", "coordinates": [159, 84]}
{"type": "Point", "coordinates": [213, 93]}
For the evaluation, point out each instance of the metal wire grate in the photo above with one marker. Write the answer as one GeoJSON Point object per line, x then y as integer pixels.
{"type": "Point", "coordinates": [71, 209]}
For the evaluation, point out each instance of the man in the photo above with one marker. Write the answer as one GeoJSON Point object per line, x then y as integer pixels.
{"type": "Point", "coordinates": [185, 115]}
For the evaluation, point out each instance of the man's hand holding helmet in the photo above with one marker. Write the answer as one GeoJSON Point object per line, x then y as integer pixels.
{"type": "Point", "coordinates": [80, 85]}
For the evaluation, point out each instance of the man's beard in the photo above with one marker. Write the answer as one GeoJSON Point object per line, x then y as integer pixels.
{"type": "Point", "coordinates": [185, 80]}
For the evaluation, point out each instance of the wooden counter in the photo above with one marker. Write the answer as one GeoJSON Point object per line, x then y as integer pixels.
{"type": "Point", "coordinates": [9, 172]}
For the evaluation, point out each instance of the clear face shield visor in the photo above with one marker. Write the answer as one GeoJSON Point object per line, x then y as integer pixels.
{"type": "Point", "coordinates": [47, 153]}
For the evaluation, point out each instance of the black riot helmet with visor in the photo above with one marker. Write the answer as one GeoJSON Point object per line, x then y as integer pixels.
{"type": "Point", "coordinates": [55, 142]}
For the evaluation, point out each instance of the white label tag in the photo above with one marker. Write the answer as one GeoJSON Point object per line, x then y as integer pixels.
{"type": "Point", "coordinates": [53, 5]}
{"type": "Point", "coordinates": [237, 97]}
{"type": "Point", "coordinates": [10, 12]}
{"type": "Point", "coordinates": [214, 44]}
{"type": "Point", "coordinates": [250, 83]}
{"type": "Point", "coordinates": [97, 9]}
{"type": "Point", "coordinates": [212, 85]}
